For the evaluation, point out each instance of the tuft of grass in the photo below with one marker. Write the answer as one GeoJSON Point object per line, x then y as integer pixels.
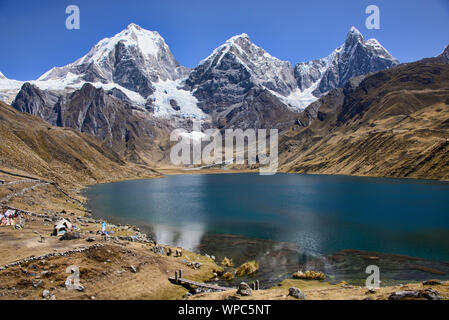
{"type": "Point", "coordinates": [309, 275]}
{"type": "Point", "coordinates": [248, 268]}
{"type": "Point", "coordinates": [227, 262]}
{"type": "Point", "coordinates": [228, 276]}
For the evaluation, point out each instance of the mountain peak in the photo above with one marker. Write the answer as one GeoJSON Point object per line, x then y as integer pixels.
{"type": "Point", "coordinates": [134, 29]}
{"type": "Point", "coordinates": [134, 58]}
{"type": "Point", "coordinates": [133, 26]}
{"type": "Point", "coordinates": [235, 41]}
{"type": "Point", "coordinates": [2, 76]}
{"type": "Point", "coordinates": [149, 43]}
{"type": "Point", "coordinates": [238, 37]}
{"type": "Point", "coordinates": [354, 58]}
{"type": "Point", "coordinates": [354, 35]}
{"type": "Point", "coordinates": [354, 30]}
{"type": "Point", "coordinates": [445, 53]}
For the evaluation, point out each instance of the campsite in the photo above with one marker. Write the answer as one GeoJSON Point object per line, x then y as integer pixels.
{"type": "Point", "coordinates": [57, 232]}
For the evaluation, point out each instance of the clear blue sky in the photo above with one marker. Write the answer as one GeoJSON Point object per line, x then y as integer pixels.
{"type": "Point", "coordinates": [34, 37]}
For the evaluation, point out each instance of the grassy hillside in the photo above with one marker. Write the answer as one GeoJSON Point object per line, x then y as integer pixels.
{"type": "Point", "coordinates": [394, 124]}
{"type": "Point", "coordinates": [30, 145]}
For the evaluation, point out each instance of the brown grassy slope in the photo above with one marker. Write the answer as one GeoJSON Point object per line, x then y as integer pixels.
{"type": "Point", "coordinates": [394, 124]}
{"type": "Point", "coordinates": [30, 145]}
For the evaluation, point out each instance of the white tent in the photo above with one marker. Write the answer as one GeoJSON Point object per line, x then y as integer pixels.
{"type": "Point", "coordinates": [61, 227]}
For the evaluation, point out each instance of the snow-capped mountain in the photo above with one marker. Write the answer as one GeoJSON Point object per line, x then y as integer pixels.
{"type": "Point", "coordinates": [355, 57]}
{"type": "Point", "coordinates": [134, 58]}
{"type": "Point", "coordinates": [238, 78]}
{"type": "Point", "coordinates": [135, 61]}
{"type": "Point", "coordinates": [129, 90]}
{"type": "Point", "coordinates": [233, 69]}
{"type": "Point", "coordinates": [8, 88]}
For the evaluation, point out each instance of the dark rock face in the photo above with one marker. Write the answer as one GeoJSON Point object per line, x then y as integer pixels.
{"type": "Point", "coordinates": [34, 101]}
{"type": "Point", "coordinates": [259, 109]}
{"type": "Point", "coordinates": [226, 83]}
{"type": "Point", "coordinates": [127, 70]}
{"type": "Point", "coordinates": [217, 87]}
{"type": "Point", "coordinates": [90, 72]}
{"type": "Point", "coordinates": [97, 112]}
{"type": "Point", "coordinates": [306, 74]}
{"type": "Point", "coordinates": [174, 105]}
{"type": "Point", "coordinates": [117, 93]}
{"type": "Point", "coordinates": [335, 97]}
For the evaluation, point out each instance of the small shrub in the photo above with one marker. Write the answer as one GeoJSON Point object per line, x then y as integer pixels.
{"type": "Point", "coordinates": [228, 276]}
{"type": "Point", "coordinates": [309, 275]}
{"type": "Point", "coordinates": [248, 268]}
{"type": "Point", "coordinates": [227, 262]}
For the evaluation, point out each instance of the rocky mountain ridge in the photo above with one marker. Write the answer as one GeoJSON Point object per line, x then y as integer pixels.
{"type": "Point", "coordinates": [139, 63]}
{"type": "Point", "coordinates": [393, 123]}
{"type": "Point", "coordinates": [130, 92]}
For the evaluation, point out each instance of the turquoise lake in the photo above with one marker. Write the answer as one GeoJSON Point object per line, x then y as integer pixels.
{"type": "Point", "coordinates": [285, 219]}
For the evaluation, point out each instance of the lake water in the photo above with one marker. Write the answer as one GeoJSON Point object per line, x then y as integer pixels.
{"type": "Point", "coordinates": [288, 220]}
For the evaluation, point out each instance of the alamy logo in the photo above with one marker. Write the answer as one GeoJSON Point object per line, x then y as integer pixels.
{"type": "Point", "coordinates": [73, 20]}
{"type": "Point", "coordinates": [206, 147]}
{"type": "Point", "coordinates": [373, 280]}
{"type": "Point", "coordinates": [373, 20]}
{"type": "Point", "coordinates": [73, 281]}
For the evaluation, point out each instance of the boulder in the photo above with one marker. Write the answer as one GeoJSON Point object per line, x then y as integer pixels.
{"type": "Point", "coordinates": [70, 236]}
{"type": "Point", "coordinates": [428, 294]}
{"type": "Point", "coordinates": [37, 283]}
{"type": "Point", "coordinates": [431, 294]}
{"type": "Point", "coordinates": [402, 295]}
{"type": "Point", "coordinates": [244, 289]}
{"type": "Point", "coordinates": [159, 250]}
{"type": "Point", "coordinates": [296, 293]}
{"type": "Point", "coordinates": [45, 294]}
